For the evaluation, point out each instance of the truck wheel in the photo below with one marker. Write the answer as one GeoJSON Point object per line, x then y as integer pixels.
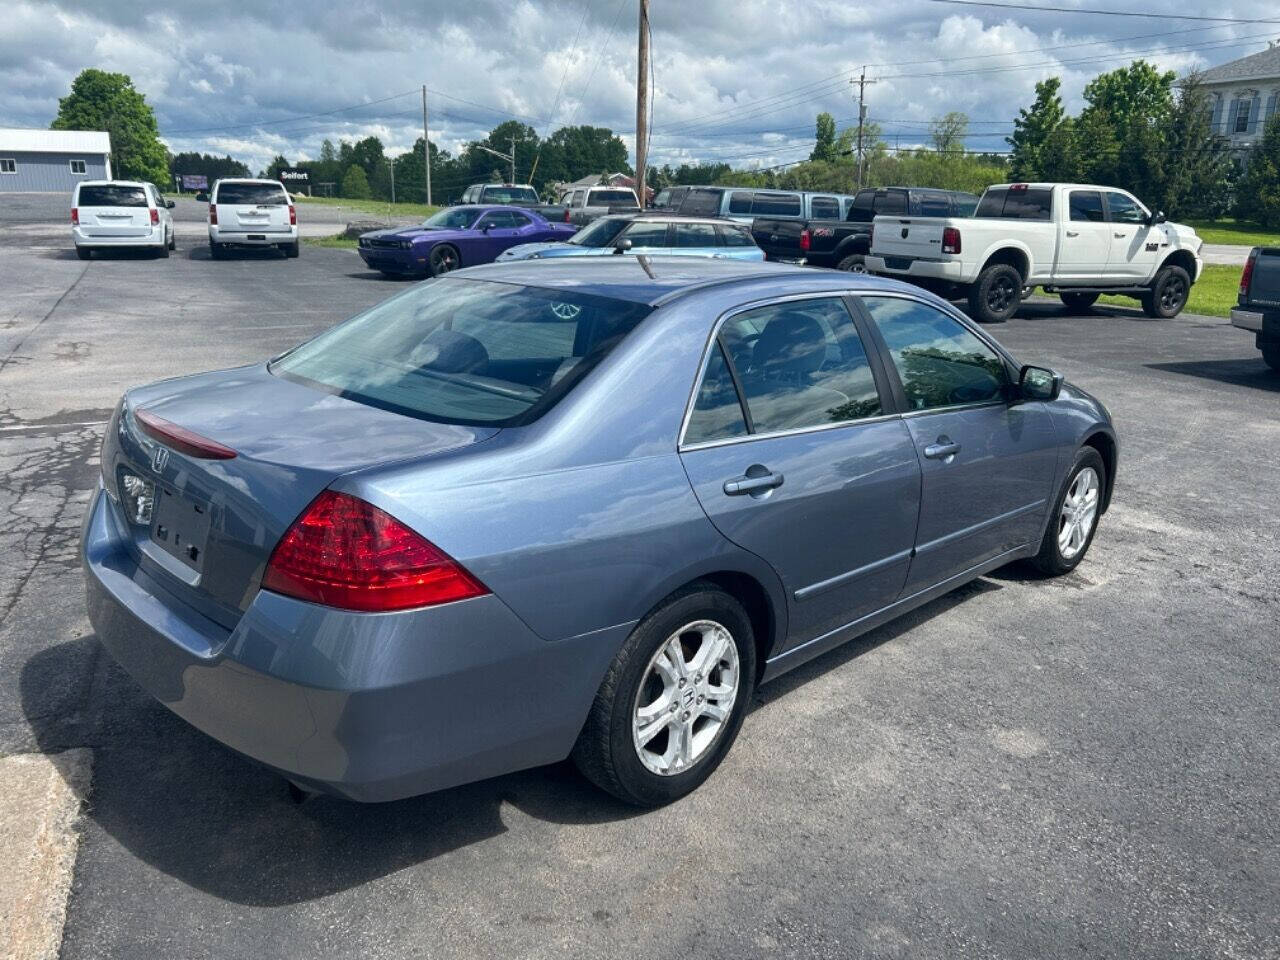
{"type": "Point", "coordinates": [996, 294]}
{"type": "Point", "coordinates": [1271, 355]}
{"type": "Point", "coordinates": [1078, 302]}
{"type": "Point", "coordinates": [1168, 293]}
{"type": "Point", "coordinates": [854, 263]}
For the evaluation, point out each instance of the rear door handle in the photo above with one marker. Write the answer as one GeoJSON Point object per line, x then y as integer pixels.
{"type": "Point", "coordinates": [1073, 233]}
{"type": "Point", "coordinates": [752, 484]}
{"type": "Point", "coordinates": [944, 449]}
{"type": "Point", "coordinates": [1120, 236]}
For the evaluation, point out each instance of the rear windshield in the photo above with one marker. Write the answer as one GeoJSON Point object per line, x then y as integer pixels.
{"type": "Point", "coordinates": [1025, 203]}
{"type": "Point", "coordinates": [600, 198]}
{"type": "Point", "coordinates": [509, 195]}
{"type": "Point", "coordinates": [256, 194]}
{"type": "Point", "coordinates": [112, 196]}
{"type": "Point", "coordinates": [465, 351]}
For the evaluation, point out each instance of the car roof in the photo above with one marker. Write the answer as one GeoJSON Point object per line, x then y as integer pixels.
{"type": "Point", "coordinates": [247, 180]}
{"type": "Point", "coordinates": [671, 216]}
{"type": "Point", "coordinates": [624, 278]}
{"type": "Point", "coordinates": [112, 183]}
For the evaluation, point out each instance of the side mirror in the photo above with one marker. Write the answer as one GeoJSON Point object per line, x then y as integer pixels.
{"type": "Point", "coordinates": [1157, 217]}
{"type": "Point", "coordinates": [202, 197]}
{"type": "Point", "coordinates": [622, 246]}
{"type": "Point", "coordinates": [1039, 383]}
{"type": "Point", "coordinates": [169, 204]}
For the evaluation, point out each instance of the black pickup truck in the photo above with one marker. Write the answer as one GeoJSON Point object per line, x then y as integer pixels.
{"type": "Point", "coordinates": [844, 243]}
{"type": "Point", "coordinates": [1259, 302]}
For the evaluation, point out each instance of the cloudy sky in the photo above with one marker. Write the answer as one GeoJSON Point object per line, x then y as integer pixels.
{"type": "Point", "coordinates": [734, 80]}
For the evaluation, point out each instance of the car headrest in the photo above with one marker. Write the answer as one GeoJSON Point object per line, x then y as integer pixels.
{"type": "Point", "coordinates": [450, 351]}
{"type": "Point", "coordinates": [791, 343]}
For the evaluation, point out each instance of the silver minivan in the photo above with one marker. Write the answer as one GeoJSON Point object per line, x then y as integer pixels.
{"type": "Point", "coordinates": [120, 213]}
{"type": "Point", "coordinates": [251, 213]}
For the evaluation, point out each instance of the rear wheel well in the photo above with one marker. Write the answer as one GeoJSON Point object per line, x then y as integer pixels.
{"type": "Point", "coordinates": [1106, 448]}
{"type": "Point", "coordinates": [1183, 259]}
{"type": "Point", "coordinates": [1013, 257]}
{"type": "Point", "coordinates": [749, 592]}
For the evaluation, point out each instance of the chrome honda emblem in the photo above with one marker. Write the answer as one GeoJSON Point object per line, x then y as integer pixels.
{"type": "Point", "coordinates": [159, 459]}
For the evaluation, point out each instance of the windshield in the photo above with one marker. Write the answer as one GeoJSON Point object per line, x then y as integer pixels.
{"type": "Point", "coordinates": [599, 233]}
{"type": "Point", "coordinates": [509, 195]}
{"type": "Point", "coordinates": [452, 218]}
{"type": "Point", "coordinates": [465, 351]}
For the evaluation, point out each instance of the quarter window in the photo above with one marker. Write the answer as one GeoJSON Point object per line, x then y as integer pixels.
{"type": "Point", "coordinates": [801, 364]}
{"type": "Point", "coordinates": [695, 235]}
{"type": "Point", "coordinates": [940, 363]}
{"type": "Point", "coordinates": [77, 166]}
{"type": "Point", "coordinates": [1125, 209]}
{"type": "Point", "coordinates": [1086, 205]}
{"type": "Point", "coordinates": [717, 412]}
{"type": "Point", "coordinates": [736, 237]}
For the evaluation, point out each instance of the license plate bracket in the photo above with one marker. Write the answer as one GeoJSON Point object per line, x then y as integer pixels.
{"type": "Point", "coordinates": [180, 528]}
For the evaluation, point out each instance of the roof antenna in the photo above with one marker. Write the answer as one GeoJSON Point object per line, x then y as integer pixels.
{"type": "Point", "coordinates": [644, 262]}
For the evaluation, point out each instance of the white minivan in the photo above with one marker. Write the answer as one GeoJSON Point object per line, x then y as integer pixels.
{"type": "Point", "coordinates": [120, 213]}
{"type": "Point", "coordinates": [251, 213]}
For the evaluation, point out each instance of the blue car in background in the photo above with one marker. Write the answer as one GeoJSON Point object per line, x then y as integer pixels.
{"type": "Point", "coordinates": [651, 234]}
{"type": "Point", "coordinates": [461, 236]}
{"type": "Point", "coordinates": [534, 510]}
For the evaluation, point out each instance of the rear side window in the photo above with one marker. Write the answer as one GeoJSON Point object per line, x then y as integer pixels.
{"type": "Point", "coordinates": [251, 194]}
{"type": "Point", "coordinates": [934, 205]}
{"type": "Point", "coordinates": [717, 412]}
{"type": "Point", "coordinates": [824, 208]}
{"type": "Point", "coordinates": [1086, 205]}
{"type": "Point", "coordinates": [775, 205]}
{"type": "Point", "coordinates": [737, 237]}
{"type": "Point", "coordinates": [740, 202]}
{"type": "Point", "coordinates": [695, 235]}
{"type": "Point", "coordinates": [465, 351]}
{"type": "Point", "coordinates": [110, 195]}
{"type": "Point", "coordinates": [1124, 209]}
{"type": "Point", "coordinates": [646, 233]}
{"type": "Point", "coordinates": [702, 203]}
{"type": "Point", "coordinates": [1010, 203]}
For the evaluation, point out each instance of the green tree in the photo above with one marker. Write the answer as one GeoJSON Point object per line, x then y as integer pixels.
{"type": "Point", "coordinates": [327, 152]}
{"type": "Point", "coordinates": [215, 168]}
{"type": "Point", "coordinates": [948, 133]}
{"type": "Point", "coordinates": [1032, 129]}
{"type": "Point", "coordinates": [1257, 191]}
{"type": "Point", "coordinates": [356, 184]}
{"type": "Point", "coordinates": [824, 147]}
{"type": "Point", "coordinates": [1057, 157]}
{"type": "Point", "coordinates": [108, 101]}
{"type": "Point", "coordinates": [1199, 174]}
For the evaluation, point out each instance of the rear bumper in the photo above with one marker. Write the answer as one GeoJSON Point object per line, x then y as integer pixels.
{"type": "Point", "coordinates": [249, 238]}
{"type": "Point", "coordinates": [370, 707]}
{"type": "Point", "coordinates": [952, 271]}
{"type": "Point", "coordinates": [155, 237]}
{"type": "Point", "coordinates": [393, 261]}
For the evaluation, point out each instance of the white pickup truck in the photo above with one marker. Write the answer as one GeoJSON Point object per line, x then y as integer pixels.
{"type": "Point", "coordinates": [1076, 240]}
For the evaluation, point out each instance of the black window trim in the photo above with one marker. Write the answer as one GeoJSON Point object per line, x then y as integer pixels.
{"type": "Point", "coordinates": [891, 410]}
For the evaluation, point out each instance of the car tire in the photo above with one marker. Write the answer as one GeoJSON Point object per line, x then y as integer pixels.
{"type": "Point", "coordinates": [1061, 551]}
{"type": "Point", "coordinates": [607, 751]}
{"type": "Point", "coordinates": [996, 294]}
{"type": "Point", "coordinates": [84, 253]}
{"type": "Point", "coordinates": [291, 250]}
{"type": "Point", "coordinates": [216, 251]}
{"type": "Point", "coordinates": [444, 258]}
{"type": "Point", "coordinates": [854, 263]}
{"type": "Point", "coordinates": [163, 251]}
{"type": "Point", "coordinates": [1168, 293]}
{"type": "Point", "coordinates": [1271, 355]}
{"type": "Point", "coordinates": [173, 241]}
{"type": "Point", "coordinates": [1078, 302]}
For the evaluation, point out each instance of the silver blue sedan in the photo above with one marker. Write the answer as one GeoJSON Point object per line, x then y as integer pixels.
{"type": "Point", "coordinates": [651, 234]}
{"type": "Point", "coordinates": [543, 509]}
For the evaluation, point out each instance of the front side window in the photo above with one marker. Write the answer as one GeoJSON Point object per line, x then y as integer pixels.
{"type": "Point", "coordinates": [647, 233]}
{"type": "Point", "coordinates": [77, 166]}
{"type": "Point", "coordinates": [451, 218]}
{"type": "Point", "coordinates": [717, 411]}
{"type": "Point", "coordinates": [1125, 209]}
{"type": "Point", "coordinates": [465, 351]}
{"type": "Point", "coordinates": [695, 235]}
{"type": "Point", "coordinates": [1086, 206]}
{"type": "Point", "coordinates": [801, 364]}
{"type": "Point", "coordinates": [599, 233]}
{"type": "Point", "coordinates": [940, 363]}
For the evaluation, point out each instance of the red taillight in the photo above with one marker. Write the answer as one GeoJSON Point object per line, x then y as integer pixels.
{"type": "Point", "coordinates": [213, 214]}
{"type": "Point", "coordinates": [344, 552]}
{"type": "Point", "coordinates": [182, 439]}
{"type": "Point", "coordinates": [566, 214]}
{"type": "Point", "coordinates": [155, 217]}
{"type": "Point", "coordinates": [293, 215]}
{"type": "Point", "coordinates": [75, 216]}
{"type": "Point", "coordinates": [805, 239]}
{"type": "Point", "coordinates": [950, 240]}
{"type": "Point", "coordinates": [1246, 278]}
{"type": "Point", "coordinates": [1018, 186]}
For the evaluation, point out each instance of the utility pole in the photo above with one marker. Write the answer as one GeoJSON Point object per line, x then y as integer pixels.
{"type": "Point", "coordinates": [513, 159]}
{"type": "Point", "coordinates": [426, 144]}
{"type": "Point", "coordinates": [642, 103]}
{"type": "Point", "coordinates": [862, 119]}
{"type": "Point", "coordinates": [392, 164]}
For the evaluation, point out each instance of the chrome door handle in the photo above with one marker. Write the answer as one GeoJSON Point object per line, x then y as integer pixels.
{"type": "Point", "coordinates": [749, 484]}
{"type": "Point", "coordinates": [1073, 233]}
{"type": "Point", "coordinates": [944, 449]}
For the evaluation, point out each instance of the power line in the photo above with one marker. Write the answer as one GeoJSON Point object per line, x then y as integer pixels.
{"type": "Point", "coordinates": [1093, 11]}
{"type": "Point", "coordinates": [309, 116]}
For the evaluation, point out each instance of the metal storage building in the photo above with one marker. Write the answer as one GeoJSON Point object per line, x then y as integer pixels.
{"type": "Point", "coordinates": [52, 160]}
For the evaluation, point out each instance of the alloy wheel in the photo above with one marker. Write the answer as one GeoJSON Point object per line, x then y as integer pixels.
{"type": "Point", "coordinates": [1000, 294]}
{"type": "Point", "coordinates": [1173, 295]}
{"type": "Point", "coordinates": [444, 260]}
{"type": "Point", "coordinates": [686, 697]}
{"type": "Point", "coordinates": [1079, 511]}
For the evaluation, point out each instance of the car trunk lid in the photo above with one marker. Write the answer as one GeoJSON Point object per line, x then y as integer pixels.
{"type": "Point", "coordinates": [1264, 282]}
{"type": "Point", "coordinates": [113, 211]}
{"type": "Point", "coordinates": [215, 521]}
{"type": "Point", "coordinates": [907, 238]}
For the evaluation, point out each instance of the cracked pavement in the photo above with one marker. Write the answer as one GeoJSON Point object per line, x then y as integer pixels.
{"type": "Point", "coordinates": [1086, 766]}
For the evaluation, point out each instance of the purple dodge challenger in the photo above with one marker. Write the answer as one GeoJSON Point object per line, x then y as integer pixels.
{"type": "Point", "coordinates": [461, 236]}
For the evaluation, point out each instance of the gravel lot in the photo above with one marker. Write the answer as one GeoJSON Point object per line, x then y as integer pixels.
{"type": "Point", "coordinates": [1083, 767]}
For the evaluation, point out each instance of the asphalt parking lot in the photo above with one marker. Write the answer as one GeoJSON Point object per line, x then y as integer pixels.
{"type": "Point", "coordinates": [1081, 767]}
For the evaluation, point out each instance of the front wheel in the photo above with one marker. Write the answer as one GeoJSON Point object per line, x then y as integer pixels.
{"type": "Point", "coordinates": [855, 263]}
{"type": "Point", "coordinates": [1078, 302]}
{"type": "Point", "coordinates": [1271, 355]}
{"type": "Point", "coordinates": [673, 699]}
{"type": "Point", "coordinates": [1168, 293]}
{"type": "Point", "coordinates": [443, 259]}
{"type": "Point", "coordinates": [996, 294]}
{"type": "Point", "coordinates": [1075, 516]}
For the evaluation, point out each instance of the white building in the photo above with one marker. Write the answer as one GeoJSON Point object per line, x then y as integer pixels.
{"type": "Point", "coordinates": [1244, 94]}
{"type": "Point", "coordinates": [52, 160]}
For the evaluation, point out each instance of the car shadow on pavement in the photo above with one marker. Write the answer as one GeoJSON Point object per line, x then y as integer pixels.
{"type": "Point", "coordinates": [1252, 372]}
{"type": "Point", "coordinates": [197, 811]}
{"type": "Point", "coordinates": [200, 251]}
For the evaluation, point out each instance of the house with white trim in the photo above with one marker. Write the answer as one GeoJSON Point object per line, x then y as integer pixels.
{"type": "Point", "coordinates": [1244, 96]}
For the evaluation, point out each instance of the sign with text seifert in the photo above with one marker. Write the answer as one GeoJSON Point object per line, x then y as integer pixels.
{"type": "Point", "coordinates": [296, 176]}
